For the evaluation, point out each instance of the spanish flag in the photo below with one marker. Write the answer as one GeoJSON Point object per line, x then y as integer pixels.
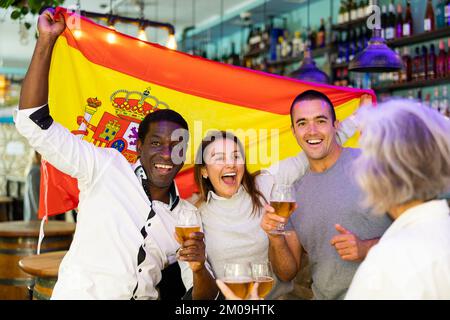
{"type": "Point", "coordinates": [103, 83]}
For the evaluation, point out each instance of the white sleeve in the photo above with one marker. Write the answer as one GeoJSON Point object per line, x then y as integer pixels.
{"type": "Point", "coordinates": [347, 129]}
{"type": "Point", "coordinates": [66, 152]}
{"type": "Point", "coordinates": [290, 169]}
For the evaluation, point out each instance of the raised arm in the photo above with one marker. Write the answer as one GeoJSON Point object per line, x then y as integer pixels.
{"type": "Point", "coordinates": [55, 143]}
{"type": "Point", "coordinates": [35, 85]}
{"type": "Point", "coordinates": [284, 250]}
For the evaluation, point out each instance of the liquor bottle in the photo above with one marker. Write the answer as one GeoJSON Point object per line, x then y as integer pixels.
{"type": "Point", "coordinates": [419, 95]}
{"type": "Point", "coordinates": [367, 35]}
{"type": "Point", "coordinates": [285, 45]}
{"type": "Point", "coordinates": [435, 101]}
{"type": "Point", "coordinates": [353, 10]}
{"type": "Point", "coordinates": [279, 48]}
{"type": "Point", "coordinates": [408, 22]}
{"type": "Point", "coordinates": [345, 78]}
{"type": "Point", "coordinates": [346, 13]}
{"type": "Point", "coordinates": [423, 75]}
{"type": "Point", "coordinates": [337, 79]}
{"type": "Point", "coordinates": [255, 39]}
{"type": "Point", "coordinates": [297, 44]}
{"type": "Point", "coordinates": [359, 39]}
{"type": "Point", "coordinates": [321, 34]}
{"type": "Point", "coordinates": [390, 27]}
{"type": "Point", "coordinates": [441, 64]}
{"type": "Point", "coordinates": [351, 46]}
{"type": "Point", "coordinates": [448, 58]}
{"type": "Point", "coordinates": [265, 38]}
{"type": "Point", "coordinates": [443, 104]}
{"type": "Point", "coordinates": [384, 21]}
{"type": "Point", "coordinates": [431, 64]}
{"type": "Point", "coordinates": [429, 22]}
{"type": "Point", "coordinates": [417, 62]}
{"type": "Point", "coordinates": [234, 57]}
{"type": "Point", "coordinates": [361, 13]}
{"type": "Point", "coordinates": [397, 76]}
{"type": "Point", "coordinates": [399, 22]}
{"type": "Point", "coordinates": [447, 13]}
{"type": "Point", "coordinates": [440, 14]}
{"type": "Point", "coordinates": [329, 34]}
{"type": "Point", "coordinates": [340, 49]}
{"type": "Point", "coordinates": [341, 17]}
{"type": "Point", "coordinates": [313, 39]}
{"type": "Point", "coordinates": [407, 65]}
{"type": "Point", "coordinates": [427, 101]}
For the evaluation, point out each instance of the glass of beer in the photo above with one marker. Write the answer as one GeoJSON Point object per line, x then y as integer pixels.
{"type": "Point", "coordinates": [263, 275]}
{"type": "Point", "coordinates": [238, 277]}
{"type": "Point", "coordinates": [283, 201]}
{"type": "Point", "coordinates": [187, 222]}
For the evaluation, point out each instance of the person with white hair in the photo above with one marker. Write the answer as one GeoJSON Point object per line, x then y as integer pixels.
{"type": "Point", "coordinates": [403, 168]}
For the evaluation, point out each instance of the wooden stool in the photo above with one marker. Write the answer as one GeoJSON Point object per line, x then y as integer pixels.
{"type": "Point", "coordinates": [44, 268]}
{"type": "Point", "coordinates": [19, 239]}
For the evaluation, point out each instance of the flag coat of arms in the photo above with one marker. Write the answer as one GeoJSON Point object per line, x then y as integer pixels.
{"type": "Point", "coordinates": [103, 83]}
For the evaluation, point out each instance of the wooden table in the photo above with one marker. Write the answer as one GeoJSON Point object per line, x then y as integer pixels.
{"type": "Point", "coordinates": [18, 240]}
{"type": "Point", "coordinates": [44, 268]}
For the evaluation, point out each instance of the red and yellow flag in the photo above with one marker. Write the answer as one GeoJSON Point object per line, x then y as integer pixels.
{"type": "Point", "coordinates": [103, 83]}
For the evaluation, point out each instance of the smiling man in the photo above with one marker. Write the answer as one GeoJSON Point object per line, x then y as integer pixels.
{"type": "Point", "coordinates": [329, 223]}
{"type": "Point", "coordinates": [123, 247]}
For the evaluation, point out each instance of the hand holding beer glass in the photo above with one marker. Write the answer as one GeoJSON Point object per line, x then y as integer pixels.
{"type": "Point", "coordinates": [187, 223]}
{"type": "Point", "coordinates": [283, 201]}
{"type": "Point", "coordinates": [188, 235]}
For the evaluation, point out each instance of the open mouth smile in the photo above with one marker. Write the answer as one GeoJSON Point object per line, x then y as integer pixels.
{"type": "Point", "coordinates": [229, 178]}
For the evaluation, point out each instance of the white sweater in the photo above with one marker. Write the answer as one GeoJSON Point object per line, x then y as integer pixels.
{"type": "Point", "coordinates": [233, 233]}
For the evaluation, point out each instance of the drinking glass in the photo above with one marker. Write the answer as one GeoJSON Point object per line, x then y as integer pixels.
{"type": "Point", "coordinates": [263, 275]}
{"type": "Point", "coordinates": [238, 277]}
{"type": "Point", "coordinates": [283, 201]}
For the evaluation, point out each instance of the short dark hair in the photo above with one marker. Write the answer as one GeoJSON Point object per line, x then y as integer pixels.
{"type": "Point", "coordinates": [313, 95]}
{"type": "Point", "coordinates": [160, 115]}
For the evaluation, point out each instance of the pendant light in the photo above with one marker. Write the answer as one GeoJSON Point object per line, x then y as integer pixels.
{"type": "Point", "coordinates": [308, 70]}
{"type": "Point", "coordinates": [377, 57]}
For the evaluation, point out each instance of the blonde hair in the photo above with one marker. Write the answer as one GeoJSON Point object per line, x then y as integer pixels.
{"type": "Point", "coordinates": [405, 154]}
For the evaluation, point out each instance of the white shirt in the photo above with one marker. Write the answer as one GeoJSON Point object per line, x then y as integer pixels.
{"type": "Point", "coordinates": [412, 259]}
{"type": "Point", "coordinates": [113, 217]}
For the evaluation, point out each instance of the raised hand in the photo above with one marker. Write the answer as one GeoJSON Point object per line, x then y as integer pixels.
{"type": "Point", "coordinates": [270, 220]}
{"type": "Point", "coordinates": [49, 25]}
{"type": "Point", "coordinates": [192, 250]}
{"type": "Point", "coordinates": [348, 246]}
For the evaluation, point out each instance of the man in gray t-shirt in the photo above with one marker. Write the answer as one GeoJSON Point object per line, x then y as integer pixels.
{"type": "Point", "coordinates": [330, 223]}
{"type": "Point", "coordinates": [325, 199]}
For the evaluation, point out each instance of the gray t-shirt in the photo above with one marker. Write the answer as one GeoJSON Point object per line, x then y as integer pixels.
{"type": "Point", "coordinates": [325, 199]}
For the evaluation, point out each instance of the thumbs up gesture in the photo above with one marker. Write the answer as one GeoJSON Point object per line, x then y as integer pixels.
{"type": "Point", "coordinates": [349, 246]}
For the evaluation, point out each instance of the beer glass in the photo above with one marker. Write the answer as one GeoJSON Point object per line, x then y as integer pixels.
{"type": "Point", "coordinates": [283, 201]}
{"type": "Point", "coordinates": [263, 275]}
{"type": "Point", "coordinates": [238, 277]}
{"type": "Point", "coordinates": [187, 222]}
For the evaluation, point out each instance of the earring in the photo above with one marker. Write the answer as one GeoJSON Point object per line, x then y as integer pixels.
{"type": "Point", "coordinates": [205, 177]}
